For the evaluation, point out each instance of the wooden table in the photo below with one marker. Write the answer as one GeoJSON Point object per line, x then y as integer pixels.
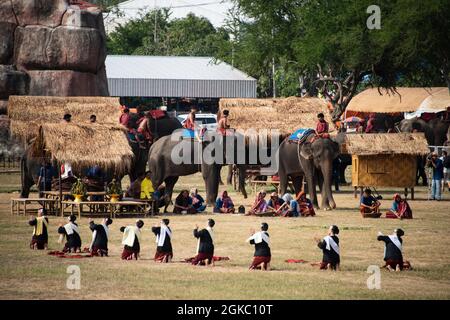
{"type": "Point", "coordinates": [113, 208]}
{"type": "Point", "coordinates": [19, 205]}
{"type": "Point", "coordinates": [275, 184]}
{"type": "Point", "coordinates": [55, 194]}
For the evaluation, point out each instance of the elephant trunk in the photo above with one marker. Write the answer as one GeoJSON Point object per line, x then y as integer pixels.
{"type": "Point", "coordinates": [211, 176]}
{"type": "Point", "coordinates": [327, 173]}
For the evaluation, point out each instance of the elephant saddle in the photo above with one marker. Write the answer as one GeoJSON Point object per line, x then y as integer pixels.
{"type": "Point", "coordinates": [300, 135]}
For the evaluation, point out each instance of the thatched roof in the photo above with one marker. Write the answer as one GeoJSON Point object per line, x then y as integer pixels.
{"type": "Point", "coordinates": [406, 100]}
{"type": "Point", "coordinates": [285, 115]}
{"type": "Point", "coordinates": [86, 145]}
{"type": "Point", "coordinates": [385, 143]}
{"type": "Point", "coordinates": [27, 113]}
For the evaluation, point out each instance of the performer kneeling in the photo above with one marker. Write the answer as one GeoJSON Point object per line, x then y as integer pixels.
{"type": "Point", "coordinates": [131, 240]}
{"type": "Point", "coordinates": [262, 254]}
{"type": "Point", "coordinates": [39, 240]}
{"type": "Point", "coordinates": [100, 235]}
{"type": "Point", "coordinates": [205, 246]}
{"type": "Point", "coordinates": [71, 232]}
{"type": "Point", "coordinates": [393, 251]}
{"type": "Point", "coordinates": [330, 248]}
{"type": "Point", "coordinates": [163, 234]}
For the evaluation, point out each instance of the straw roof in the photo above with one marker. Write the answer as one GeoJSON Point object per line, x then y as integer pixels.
{"type": "Point", "coordinates": [386, 143]}
{"type": "Point", "coordinates": [85, 145]}
{"type": "Point", "coordinates": [285, 115]}
{"type": "Point", "coordinates": [28, 113]}
{"type": "Point", "coordinates": [406, 100]}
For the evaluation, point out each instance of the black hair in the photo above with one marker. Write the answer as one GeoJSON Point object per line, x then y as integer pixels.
{"type": "Point", "coordinates": [368, 191]}
{"type": "Point", "coordinates": [139, 223]}
{"type": "Point", "coordinates": [93, 116]}
{"type": "Point", "coordinates": [399, 232]}
{"type": "Point", "coordinates": [211, 223]}
{"type": "Point", "coordinates": [335, 229]}
{"type": "Point", "coordinates": [166, 221]}
{"type": "Point", "coordinates": [264, 226]}
{"type": "Point", "coordinates": [67, 116]}
{"type": "Point", "coordinates": [72, 218]}
{"type": "Point", "coordinates": [109, 221]}
{"type": "Point", "coordinates": [126, 110]}
{"type": "Point", "coordinates": [321, 115]}
{"type": "Point", "coordinates": [226, 112]}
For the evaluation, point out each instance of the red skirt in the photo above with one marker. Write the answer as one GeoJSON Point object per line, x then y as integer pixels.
{"type": "Point", "coordinates": [37, 244]}
{"type": "Point", "coordinates": [393, 263]}
{"type": "Point", "coordinates": [129, 254]}
{"type": "Point", "coordinates": [163, 256]}
{"type": "Point", "coordinates": [97, 252]}
{"type": "Point", "coordinates": [258, 261]}
{"type": "Point", "coordinates": [325, 265]}
{"type": "Point", "coordinates": [201, 257]}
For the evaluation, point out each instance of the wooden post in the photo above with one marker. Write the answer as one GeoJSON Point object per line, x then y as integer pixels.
{"type": "Point", "coordinates": [412, 193]}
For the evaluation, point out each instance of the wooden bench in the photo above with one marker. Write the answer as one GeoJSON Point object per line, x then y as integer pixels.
{"type": "Point", "coordinates": [104, 207]}
{"type": "Point", "coordinates": [269, 182]}
{"type": "Point", "coordinates": [19, 205]}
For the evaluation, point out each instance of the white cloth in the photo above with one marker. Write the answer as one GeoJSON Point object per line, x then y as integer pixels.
{"type": "Point", "coordinates": [331, 244]}
{"type": "Point", "coordinates": [67, 171]}
{"type": "Point", "coordinates": [129, 235]}
{"type": "Point", "coordinates": [71, 228]}
{"type": "Point", "coordinates": [259, 237]}
{"type": "Point", "coordinates": [395, 240]}
{"type": "Point", "coordinates": [161, 237]}
{"type": "Point", "coordinates": [94, 235]}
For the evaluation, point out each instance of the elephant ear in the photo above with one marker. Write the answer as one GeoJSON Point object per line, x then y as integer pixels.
{"type": "Point", "coordinates": [306, 151]}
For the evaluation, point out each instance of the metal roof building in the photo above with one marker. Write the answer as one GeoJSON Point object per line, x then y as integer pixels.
{"type": "Point", "coordinates": [184, 77]}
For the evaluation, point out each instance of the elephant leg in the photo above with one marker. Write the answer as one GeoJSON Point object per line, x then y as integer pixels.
{"type": "Point", "coordinates": [241, 175]}
{"type": "Point", "coordinates": [320, 182]}
{"type": "Point", "coordinates": [283, 181]}
{"type": "Point", "coordinates": [342, 174]}
{"type": "Point", "coordinates": [311, 183]}
{"type": "Point", "coordinates": [230, 175]}
{"type": "Point", "coordinates": [170, 184]}
{"type": "Point", "coordinates": [327, 193]}
{"type": "Point", "coordinates": [297, 183]}
{"type": "Point", "coordinates": [26, 179]}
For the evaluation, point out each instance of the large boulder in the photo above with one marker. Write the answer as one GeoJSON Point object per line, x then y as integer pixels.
{"type": "Point", "coordinates": [83, 18]}
{"type": "Point", "coordinates": [66, 83]}
{"type": "Point", "coordinates": [39, 12]}
{"type": "Point", "coordinates": [12, 82]}
{"type": "Point", "coordinates": [78, 49]}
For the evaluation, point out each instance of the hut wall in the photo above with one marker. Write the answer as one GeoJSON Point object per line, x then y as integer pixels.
{"type": "Point", "coordinates": [384, 170]}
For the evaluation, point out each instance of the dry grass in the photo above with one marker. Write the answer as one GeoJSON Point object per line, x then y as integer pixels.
{"type": "Point", "coordinates": [26, 274]}
{"type": "Point", "coordinates": [386, 143]}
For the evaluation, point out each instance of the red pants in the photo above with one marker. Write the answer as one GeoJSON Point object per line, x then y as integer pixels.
{"type": "Point", "coordinates": [128, 254]}
{"type": "Point", "coordinates": [95, 251]}
{"type": "Point", "coordinates": [37, 244]}
{"type": "Point", "coordinates": [201, 257]}
{"type": "Point", "coordinates": [163, 256]}
{"type": "Point", "coordinates": [393, 263]}
{"type": "Point", "coordinates": [258, 260]}
{"type": "Point", "coordinates": [324, 265]}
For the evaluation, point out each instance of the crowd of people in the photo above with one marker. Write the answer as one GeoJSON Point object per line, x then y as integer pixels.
{"type": "Point", "coordinates": [132, 242]}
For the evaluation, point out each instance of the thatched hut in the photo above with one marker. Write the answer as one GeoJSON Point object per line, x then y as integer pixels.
{"type": "Point", "coordinates": [83, 144]}
{"type": "Point", "coordinates": [284, 115]}
{"type": "Point", "coordinates": [385, 159]}
{"type": "Point", "coordinates": [28, 113]}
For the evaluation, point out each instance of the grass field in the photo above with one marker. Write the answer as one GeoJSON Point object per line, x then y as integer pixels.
{"type": "Point", "coordinates": [27, 274]}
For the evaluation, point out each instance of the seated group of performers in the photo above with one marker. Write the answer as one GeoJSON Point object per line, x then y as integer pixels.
{"type": "Point", "coordinates": [131, 241]}
{"type": "Point", "coordinates": [285, 206]}
{"type": "Point", "coordinates": [189, 202]}
{"type": "Point", "coordinates": [370, 207]}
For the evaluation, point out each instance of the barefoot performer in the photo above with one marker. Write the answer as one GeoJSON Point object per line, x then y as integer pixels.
{"type": "Point", "coordinates": [393, 256]}
{"type": "Point", "coordinates": [261, 241]}
{"type": "Point", "coordinates": [205, 246]}
{"type": "Point", "coordinates": [163, 235]}
{"type": "Point", "coordinates": [330, 247]}
{"type": "Point", "coordinates": [71, 232]}
{"type": "Point", "coordinates": [100, 235]}
{"type": "Point", "coordinates": [39, 241]}
{"type": "Point", "coordinates": [130, 240]}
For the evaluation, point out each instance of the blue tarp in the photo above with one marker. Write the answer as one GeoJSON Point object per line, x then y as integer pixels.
{"type": "Point", "coordinates": [300, 134]}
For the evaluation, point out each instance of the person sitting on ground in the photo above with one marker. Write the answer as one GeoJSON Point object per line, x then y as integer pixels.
{"type": "Point", "coordinates": [259, 205]}
{"type": "Point", "coordinates": [39, 240]}
{"type": "Point", "coordinates": [198, 203]}
{"type": "Point", "coordinates": [369, 205]}
{"type": "Point", "coordinates": [134, 190]}
{"type": "Point", "coordinates": [393, 256]}
{"type": "Point", "coordinates": [262, 255]}
{"type": "Point", "coordinates": [205, 246]}
{"type": "Point", "coordinates": [322, 126]}
{"type": "Point", "coordinates": [147, 187]}
{"type": "Point", "coordinates": [292, 208]}
{"type": "Point", "coordinates": [400, 209]}
{"type": "Point", "coordinates": [163, 233]}
{"type": "Point", "coordinates": [71, 232]}
{"type": "Point", "coordinates": [305, 206]}
{"type": "Point", "coordinates": [224, 204]}
{"type": "Point", "coordinates": [183, 204]}
{"type": "Point", "coordinates": [131, 240]}
{"type": "Point", "coordinates": [330, 247]}
{"type": "Point", "coordinates": [100, 235]}
{"type": "Point", "coordinates": [274, 204]}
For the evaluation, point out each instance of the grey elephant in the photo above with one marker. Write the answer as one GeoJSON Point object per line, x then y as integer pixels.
{"type": "Point", "coordinates": [435, 130]}
{"type": "Point", "coordinates": [312, 161]}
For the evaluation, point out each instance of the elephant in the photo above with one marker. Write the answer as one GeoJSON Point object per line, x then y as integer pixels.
{"type": "Point", "coordinates": [161, 127]}
{"type": "Point", "coordinates": [164, 169]}
{"type": "Point", "coordinates": [312, 160]}
{"type": "Point", "coordinates": [435, 130]}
